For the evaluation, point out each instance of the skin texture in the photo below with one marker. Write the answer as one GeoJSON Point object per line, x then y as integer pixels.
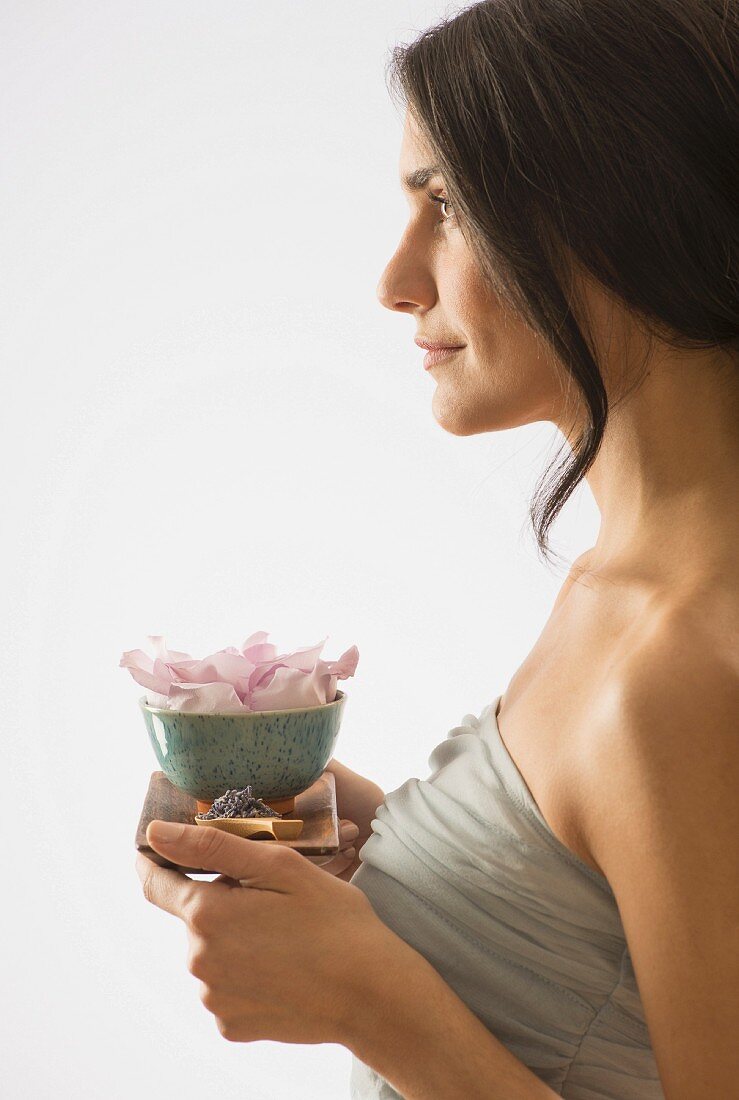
{"type": "Point", "coordinates": [499, 379]}
{"type": "Point", "coordinates": [311, 937]}
{"type": "Point", "coordinates": [506, 376]}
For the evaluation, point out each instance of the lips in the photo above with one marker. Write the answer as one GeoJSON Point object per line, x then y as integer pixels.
{"type": "Point", "coordinates": [429, 345]}
{"type": "Point", "coordinates": [437, 352]}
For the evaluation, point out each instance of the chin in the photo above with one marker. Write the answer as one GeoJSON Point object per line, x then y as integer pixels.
{"type": "Point", "coordinates": [460, 425]}
{"type": "Point", "coordinates": [459, 429]}
{"type": "Point", "coordinates": [462, 420]}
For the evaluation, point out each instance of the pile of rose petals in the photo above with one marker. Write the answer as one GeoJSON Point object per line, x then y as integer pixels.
{"type": "Point", "coordinates": [233, 680]}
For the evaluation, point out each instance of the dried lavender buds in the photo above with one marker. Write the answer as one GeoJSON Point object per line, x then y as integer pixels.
{"type": "Point", "coordinates": [238, 804]}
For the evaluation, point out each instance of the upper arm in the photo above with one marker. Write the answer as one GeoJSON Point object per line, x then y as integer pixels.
{"type": "Point", "coordinates": [661, 816]}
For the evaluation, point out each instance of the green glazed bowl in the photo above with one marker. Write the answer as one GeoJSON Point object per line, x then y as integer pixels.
{"type": "Point", "coordinates": [279, 753]}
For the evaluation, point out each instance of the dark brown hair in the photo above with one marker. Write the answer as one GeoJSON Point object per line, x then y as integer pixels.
{"type": "Point", "coordinates": [604, 130]}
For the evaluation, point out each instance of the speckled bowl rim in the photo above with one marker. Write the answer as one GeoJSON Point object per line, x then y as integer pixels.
{"type": "Point", "coordinates": [340, 695]}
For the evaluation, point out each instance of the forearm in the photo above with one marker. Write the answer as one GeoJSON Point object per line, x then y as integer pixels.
{"type": "Point", "coordinates": [413, 1029]}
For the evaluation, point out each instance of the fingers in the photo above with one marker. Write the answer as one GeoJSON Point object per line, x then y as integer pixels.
{"type": "Point", "coordinates": [335, 864]}
{"type": "Point", "coordinates": [238, 859]}
{"type": "Point", "coordinates": [253, 863]}
{"type": "Point", "coordinates": [339, 861]}
{"type": "Point", "coordinates": [166, 888]}
{"type": "Point", "coordinates": [348, 830]}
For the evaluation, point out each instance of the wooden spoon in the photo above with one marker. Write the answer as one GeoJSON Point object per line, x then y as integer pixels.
{"type": "Point", "coordinates": [276, 827]}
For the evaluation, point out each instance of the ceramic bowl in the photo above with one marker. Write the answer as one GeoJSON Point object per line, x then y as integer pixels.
{"type": "Point", "coordinates": [279, 753]}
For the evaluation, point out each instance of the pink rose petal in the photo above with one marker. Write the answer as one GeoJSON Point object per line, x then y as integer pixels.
{"type": "Point", "coordinates": [233, 680]}
{"type": "Point", "coordinates": [288, 689]}
{"type": "Point", "coordinates": [346, 664]}
{"type": "Point", "coordinates": [231, 668]}
{"type": "Point", "coordinates": [303, 659]}
{"type": "Point", "coordinates": [204, 698]}
{"type": "Point", "coordinates": [155, 700]}
{"type": "Point", "coordinates": [161, 651]}
{"type": "Point", "coordinates": [150, 674]}
{"type": "Point", "coordinates": [256, 648]}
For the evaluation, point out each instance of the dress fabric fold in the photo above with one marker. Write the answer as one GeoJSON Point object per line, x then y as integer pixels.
{"type": "Point", "coordinates": [464, 868]}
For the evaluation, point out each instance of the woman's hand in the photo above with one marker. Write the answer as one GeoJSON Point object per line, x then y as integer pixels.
{"type": "Point", "coordinates": [357, 800]}
{"type": "Point", "coordinates": [284, 957]}
{"type": "Point", "coordinates": [344, 862]}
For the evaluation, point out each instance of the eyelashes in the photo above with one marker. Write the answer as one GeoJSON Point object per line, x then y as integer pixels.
{"type": "Point", "coordinates": [442, 203]}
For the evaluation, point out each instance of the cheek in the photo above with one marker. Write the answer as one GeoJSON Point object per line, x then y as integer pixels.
{"type": "Point", "coordinates": [506, 376]}
{"type": "Point", "coordinates": [475, 307]}
{"type": "Point", "coordinates": [503, 350]}
{"type": "Point", "coordinates": [502, 380]}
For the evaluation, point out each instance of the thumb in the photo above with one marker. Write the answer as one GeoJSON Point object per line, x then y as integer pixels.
{"type": "Point", "coordinates": [264, 865]}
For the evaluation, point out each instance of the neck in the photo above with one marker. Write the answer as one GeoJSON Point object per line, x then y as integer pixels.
{"type": "Point", "coordinates": [664, 479]}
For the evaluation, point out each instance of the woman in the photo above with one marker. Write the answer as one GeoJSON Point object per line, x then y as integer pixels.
{"type": "Point", "coordinates": [568, 870]}
{"type": "Point", "coordinates": [576, 241]}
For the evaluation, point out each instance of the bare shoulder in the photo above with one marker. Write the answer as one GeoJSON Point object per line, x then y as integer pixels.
{"type": "Point", "coordinates": [683, 674]}
{"type": "Point", "coordinates": [662, 739]}
{"type": "Point", "coordinates": [678, 687]}
{"type": "Point", "coordinates": [661, 820]}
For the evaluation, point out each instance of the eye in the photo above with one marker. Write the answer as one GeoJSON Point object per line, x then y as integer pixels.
{"type": "Point", "coordinates": [444, 204]}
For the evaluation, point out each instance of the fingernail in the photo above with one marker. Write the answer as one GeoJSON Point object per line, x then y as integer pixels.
{"type": "Point", "coordinates": [349, 831]}
{"type": "Point", "coordinates": [165, 832]}
{"type": "Point", "coordinates": [350, 853]}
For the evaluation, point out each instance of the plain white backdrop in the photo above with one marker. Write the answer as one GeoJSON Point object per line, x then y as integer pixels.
{"type": "Point", "coordinates": [210, 427]}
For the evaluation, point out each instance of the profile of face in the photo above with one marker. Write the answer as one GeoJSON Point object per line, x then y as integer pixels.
{"type": "Point", "coordinates": [503, 374]}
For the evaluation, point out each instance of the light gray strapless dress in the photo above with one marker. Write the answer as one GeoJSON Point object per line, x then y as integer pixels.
{"type": "Point", "coordinates": [464, 868]}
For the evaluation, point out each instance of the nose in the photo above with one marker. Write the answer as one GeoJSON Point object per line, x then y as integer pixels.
{"type": "Point", "coordinates": [406, 284]}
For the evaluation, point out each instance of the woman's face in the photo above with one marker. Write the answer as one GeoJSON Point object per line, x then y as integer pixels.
{"type": "Point", "coordinates": [503, 375]}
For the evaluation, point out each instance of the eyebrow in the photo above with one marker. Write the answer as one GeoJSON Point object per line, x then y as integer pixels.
{"type": "Point", "coordinates": [418, 179]}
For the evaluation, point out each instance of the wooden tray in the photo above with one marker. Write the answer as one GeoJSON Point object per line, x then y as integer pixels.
{"type": "Point", "coordinates": [316, 806]}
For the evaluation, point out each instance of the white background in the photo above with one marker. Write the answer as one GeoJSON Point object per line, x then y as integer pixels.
{"type": "Point", "coordinates": [210, 427]}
